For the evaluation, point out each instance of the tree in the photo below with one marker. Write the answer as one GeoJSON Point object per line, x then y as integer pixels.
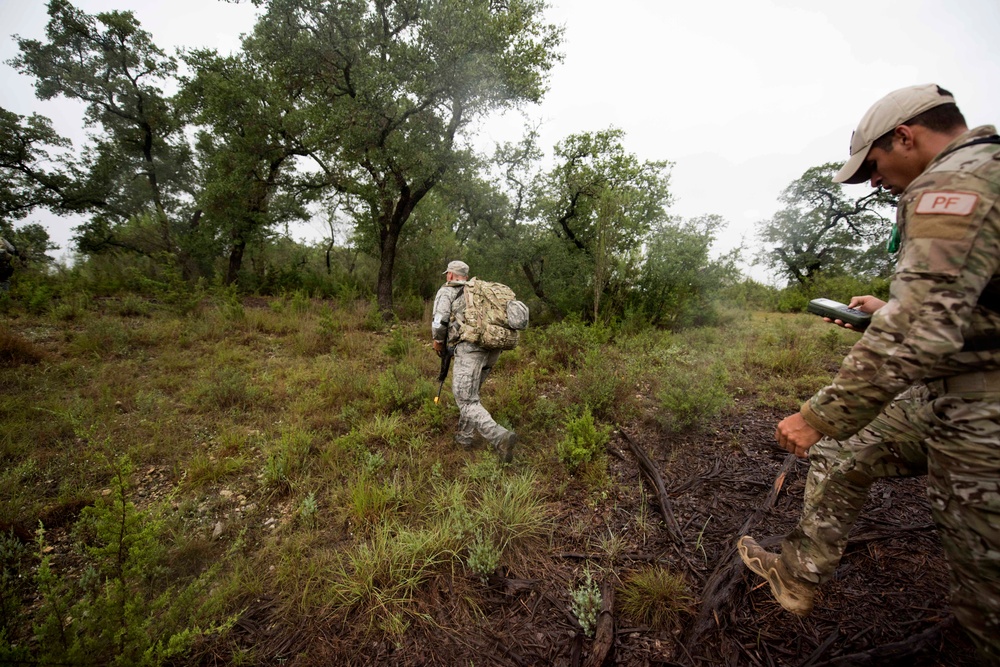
{"type": "Point", "coordinates": [139, 163]}
{"type": "Point", "coordinates": [392, 85]}
{"type": "Point", "coordinates": [248, 146]}
{"type": "Point", "coordinates": [822, 230]}
{"type": "Point", "coordinates": [678, 276]}
{"type": "Point", "coordinates": [598, 206]}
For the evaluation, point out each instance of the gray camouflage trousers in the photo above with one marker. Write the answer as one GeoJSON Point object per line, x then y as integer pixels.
{"type": "Point", "coordinates": [472, 366]}
{"type": "Point", "coordinates": [955, 441]}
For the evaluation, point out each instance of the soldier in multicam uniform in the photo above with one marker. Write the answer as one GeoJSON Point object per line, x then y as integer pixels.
{"type": "Point", "coordinates": [937, 341]}
{"type": "Point", "coordinates": [472, 365]}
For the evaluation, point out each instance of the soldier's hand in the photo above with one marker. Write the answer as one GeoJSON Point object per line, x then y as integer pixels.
{"type": "Point", "coordinates": [438, 346]}
{"type": "Point", "coordinates": [866, 304]}
{"type": "Point", "coordinates": [795, 435]}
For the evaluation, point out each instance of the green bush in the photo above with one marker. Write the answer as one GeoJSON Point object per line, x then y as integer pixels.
{"type": "Point", "coordinates": [692, 394]}
{"type": "Point", "coordinates": [585, 601]}
{"type": "Point", "coordinates": [584, 440]}
{"type": "Point", "coordinates": [122, 609]}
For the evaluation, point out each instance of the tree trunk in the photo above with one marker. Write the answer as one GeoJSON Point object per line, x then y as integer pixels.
{"type": "Point", "coordinates": [387, 261]}
{"type": "Point", "coordinates": [235, 261]}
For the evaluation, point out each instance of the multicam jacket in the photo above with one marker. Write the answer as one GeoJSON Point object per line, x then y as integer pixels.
{"type": "Point", "coordinates": [943, 314]}
{"type": "Point", "coordinates": [448, 312]}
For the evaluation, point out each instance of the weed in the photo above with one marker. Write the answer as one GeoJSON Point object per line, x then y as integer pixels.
{"type": "Point", "coordinates": [308, 509]}
{"type": "Point", "coordinates": [585, 602]}
{"type": "Point", "coordinates": [402, 388]}
{"type": "Point", "coordinates": [604, 386]}
{"type": "Point", "coordinates": [655, 596]}
{"type": "Point", "coordinates": [379, 577]}
{"type": "Point", "coordinates": [15, 350]}
{"type": "Point", "coordinates": [119, 610]}
{"type": "Point", "coordinates": [133, 305]}
{"type": "Point", "coordinates": [692, 395]}
{"type": "Point", "coordinates": [399, 344]}
{"type": "Point", "coordinates": [484, 557]}
{"type": "Point", "coordinates": [584, 439]}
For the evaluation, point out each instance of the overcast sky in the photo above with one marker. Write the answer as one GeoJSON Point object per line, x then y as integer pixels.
{"type": "Point", "coordinates": [742, 95]}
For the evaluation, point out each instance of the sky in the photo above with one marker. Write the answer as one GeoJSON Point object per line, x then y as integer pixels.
{"type": "Point", "coordinates": [742, 96]}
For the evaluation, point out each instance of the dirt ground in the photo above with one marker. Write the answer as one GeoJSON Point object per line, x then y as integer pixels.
{"type": "Point", "coordinates": [887, 604]}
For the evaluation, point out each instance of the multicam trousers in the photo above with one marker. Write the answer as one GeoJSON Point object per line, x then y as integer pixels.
{"type": "Point", "coordinates": [956, 442]}
{"type": "Point", "coordinates": [472, 367]}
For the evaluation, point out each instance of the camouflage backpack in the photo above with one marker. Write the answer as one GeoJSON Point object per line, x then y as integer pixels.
{"type": "Point", "coordinates": [493, 317]}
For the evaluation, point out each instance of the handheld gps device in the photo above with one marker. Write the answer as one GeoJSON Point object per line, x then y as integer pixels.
{"type": "Point", "coordinates": [839, 311]}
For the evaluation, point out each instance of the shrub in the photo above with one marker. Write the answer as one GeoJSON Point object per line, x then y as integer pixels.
{"type": "Point", "coordinates": [120, 610]}
{"type": "Point", "coordinates": [605, 386]}
{"type": "Point", "coordinates": [656, 597]}
{"type": "Point", "coordinates": [484, 556]}
{"type": "Point", "coordinates": [584, 440]}
{"type": "Point", "coordinates": [693, 395]}
{"type": "Point", "coordinates": [585, 601]}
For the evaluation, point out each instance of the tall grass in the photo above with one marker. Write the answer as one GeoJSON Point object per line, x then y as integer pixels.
{"type": "Point", "coordinates": [291, 450]}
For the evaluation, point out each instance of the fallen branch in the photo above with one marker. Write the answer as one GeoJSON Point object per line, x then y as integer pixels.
{"type": "Point", "coordinates": [895, 652]}
{"type": "Point", "coordinates": [653, 477]}
{"type": "Point", "coordinates": [719, 585]}
{"type": "Point", "coordinates": [604, 635]}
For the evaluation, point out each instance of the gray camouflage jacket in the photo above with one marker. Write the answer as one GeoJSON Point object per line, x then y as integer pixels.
{"type": "Point", "coordinates": [449, 310]}
{"type": "Point", "coordinates": [943, 315]}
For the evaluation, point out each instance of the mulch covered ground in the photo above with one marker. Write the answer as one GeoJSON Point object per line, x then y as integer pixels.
{"type": "Point", "coordinates": [886, 606]}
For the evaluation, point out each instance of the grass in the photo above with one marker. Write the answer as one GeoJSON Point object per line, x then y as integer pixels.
{"type": "Point", "coordinates": [307, 431]}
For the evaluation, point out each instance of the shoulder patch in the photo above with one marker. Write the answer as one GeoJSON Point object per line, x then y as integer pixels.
{"type": "Point", "coordinates": [947, 203]}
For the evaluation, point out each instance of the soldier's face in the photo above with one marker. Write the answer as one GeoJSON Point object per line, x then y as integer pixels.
{"type": "Point", "coordinates": [893, 170]}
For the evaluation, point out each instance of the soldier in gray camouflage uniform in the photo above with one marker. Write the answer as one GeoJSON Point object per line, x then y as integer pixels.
{"type": "Point", "coordinates": [937, 340]}
{"type": "Point", "coordinates": [471, 365]}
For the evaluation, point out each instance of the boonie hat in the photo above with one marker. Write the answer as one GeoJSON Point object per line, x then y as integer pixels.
{"type": "Point", "coordinates": [459, 267]}
{"type": "Point", "coordinates": [885, 115]}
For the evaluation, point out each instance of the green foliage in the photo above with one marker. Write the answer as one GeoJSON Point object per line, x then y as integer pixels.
{"type": "Point", "coordinates": [692, 394]}
{"type": "Point", "coordinates": [484, 557]}
{"type": "Point", "coordinates": [604, 385]}
{"type": "Point", "coordinates": [14, 588]}
{"type": "Point", "coordinates": [678, 280]}
{"type": "Point", "coordinates": [584, 440]}
{"type": "Point", "coordinates": [656, 597]}
{"type": "Point", "coordinates": [795, 297]}
{"type": "Point", "coordinates": [585, 602]}
{"type": "Point", "coordinates": [401, 388]}
{"type": "Point", "coordinates": [566, 343]}
{"type": "Point", "coordinates": [120, 610]}
{"type": "Point", "coordinates": [308, 509]}
{"type": "Point", "coordinates": [822, 231]}
{"type": "Point", "coordinates": [399, 344]}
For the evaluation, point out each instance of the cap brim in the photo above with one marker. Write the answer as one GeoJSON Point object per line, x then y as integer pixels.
{"type": "Point", "coordinates": [855, 170]}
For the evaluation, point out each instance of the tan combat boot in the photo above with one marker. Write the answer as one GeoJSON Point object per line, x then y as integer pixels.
{"type": "Point", "coordinates": [505, 447]}
{"type": "Point", "coordinates": [793, 594]}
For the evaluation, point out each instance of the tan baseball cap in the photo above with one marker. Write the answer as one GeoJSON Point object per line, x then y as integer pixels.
{"type": "Point", "coordinates": [459, 267]}
{"type": "Point", "coordinates": [885, 115]}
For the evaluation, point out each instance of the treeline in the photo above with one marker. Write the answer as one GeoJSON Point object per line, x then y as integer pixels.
{"type": "Point", "coordinates": [363, 114]}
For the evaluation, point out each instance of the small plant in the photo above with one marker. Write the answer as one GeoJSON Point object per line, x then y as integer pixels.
{"type": "Point", "coordinates": [300, 302]}
{"type": "Point", "coordinates": [585, 601]}
{"type": "Point", "coordinates": [308, 510]}
{"type": "Point", "coordinates": [399, 345]}
{"type": "Point", "coordinates": [584, 440]}
{"type": "Point", "coordinates": [277, 471]}
{"type": "Point", "coordinates": [133, 305]}
{"type": "Point", "coordinates": [656, 597]}
{"type": "Point", "coordinates": [693, 395]}
{"type": "Point", "coordinates": [484, 556]}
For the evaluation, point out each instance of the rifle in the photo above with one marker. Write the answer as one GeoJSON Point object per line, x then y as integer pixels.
{"type": "Point", "coordinates": [446, 356]}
